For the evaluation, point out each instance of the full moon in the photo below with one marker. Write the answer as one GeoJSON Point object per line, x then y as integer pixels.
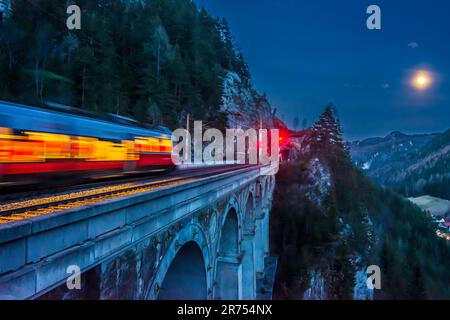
{"type": "Point", "coordinates": [421, 80]}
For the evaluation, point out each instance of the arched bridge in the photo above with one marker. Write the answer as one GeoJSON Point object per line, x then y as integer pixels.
{"type": "Point", "coordinates": [203, 239]}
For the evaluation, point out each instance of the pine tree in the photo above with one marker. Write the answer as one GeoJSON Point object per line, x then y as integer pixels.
{"type": "Point", "coordinates": [417, 287]}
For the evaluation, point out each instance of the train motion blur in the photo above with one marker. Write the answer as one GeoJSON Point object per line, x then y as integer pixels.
{"type": "Point", "coordinates": [38, 144]}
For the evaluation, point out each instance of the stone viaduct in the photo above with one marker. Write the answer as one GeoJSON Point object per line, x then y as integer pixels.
{"type": "Point", "coordinates": [203, 239]}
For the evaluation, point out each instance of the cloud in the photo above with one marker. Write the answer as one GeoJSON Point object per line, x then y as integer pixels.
{"type": "Point", "coordinates": [413, 45]}
{"type": "Point", "coordinates": [385, 85]}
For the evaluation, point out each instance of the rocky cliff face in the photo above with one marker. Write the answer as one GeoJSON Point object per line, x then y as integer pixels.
{"type": "Point", "coordinates": [317, 188]}
{"type": "Point", "coordinates": [244, 106]}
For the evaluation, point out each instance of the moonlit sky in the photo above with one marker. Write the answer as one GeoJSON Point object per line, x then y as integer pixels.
{"type": "Point", "coordinates": [304, 54]}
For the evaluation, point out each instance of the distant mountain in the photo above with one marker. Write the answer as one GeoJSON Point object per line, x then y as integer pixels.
{"type": "Point", "coordinates": [410, 164]}
{"type": "Point", "coordinates": [373, 153]}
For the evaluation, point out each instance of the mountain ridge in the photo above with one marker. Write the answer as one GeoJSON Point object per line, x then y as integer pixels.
{"type": "Point", "coordinates": [413, 165]}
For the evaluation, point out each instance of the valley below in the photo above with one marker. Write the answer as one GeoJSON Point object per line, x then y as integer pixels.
{"type": "Point", "coordinates": [435, 206]}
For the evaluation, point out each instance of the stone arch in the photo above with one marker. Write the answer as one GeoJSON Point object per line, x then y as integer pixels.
{"type": "Point", "coordinates": [233, 204]}
{"type": "Point", "coordinates": [187, 253]}
{"type": "Point", "coordinates": [228, 264]}
{"type": "Point", "coordinates": [186, 277]}
{"type": "Point", "coordinates": [249, 212]}
{"type": "Point", "coordinates": [233, 208]}
{"type": "Point", "coordinates": [229, 238]}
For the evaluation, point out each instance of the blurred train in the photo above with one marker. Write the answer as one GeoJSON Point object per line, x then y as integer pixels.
{"type": "Point", "coordinates": [39, 144]}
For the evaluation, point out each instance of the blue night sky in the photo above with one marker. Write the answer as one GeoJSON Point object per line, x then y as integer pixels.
{"type": "Point", "coordinates": [304, 54]}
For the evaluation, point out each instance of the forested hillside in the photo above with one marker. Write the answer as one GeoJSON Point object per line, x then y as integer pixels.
{"type": "Point", "coordinates": [425, 172]}
{"type": "Point", "coordinates": [329, 223]}
{"type": "Point", "coordinates": [154, 60]}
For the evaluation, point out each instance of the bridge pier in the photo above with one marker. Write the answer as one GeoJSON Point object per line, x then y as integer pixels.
{"type": "Point", "coordinates": [248, 267]}
{"type": "Point", "coordinates": [259, 248]}
{"type": "Point", "coordinates": [204, 239]}
{"type": "Point", "coordinates": [228, 279]}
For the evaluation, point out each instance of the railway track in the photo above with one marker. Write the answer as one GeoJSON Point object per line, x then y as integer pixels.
{"type": "Point", "coordinates": [28, 207]}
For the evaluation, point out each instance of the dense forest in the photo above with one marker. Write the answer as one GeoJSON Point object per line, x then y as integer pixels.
{"type": "Point", "coordinates": [424, 172]}
{"type": "Point", "coordinates": [154, 60]}
{"type": "Point", "coordinates": [329, 223]}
